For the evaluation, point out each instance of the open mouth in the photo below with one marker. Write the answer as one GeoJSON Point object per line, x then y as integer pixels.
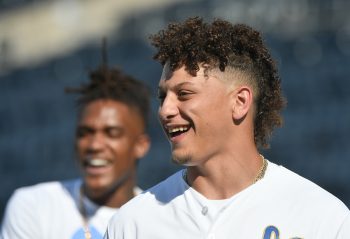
{"type": "Point", "coordinates": [96, 166]}
{"type": "Point", "coordinates": [96, 162]}
{"type": "Point", "coordinates": [176, 131]}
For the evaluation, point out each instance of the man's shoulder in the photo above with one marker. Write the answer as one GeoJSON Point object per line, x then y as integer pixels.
{"type": "Point", "coordinates": [295, 183]}
{"type": "Point", "coordinates": [36, 188]}
{"type": "Point", "coordinates": [301, 190]}
{"type": "Point", "coordinates": [149, 207]}
{"type": "Point", "coordinates": [43, 191]}
{"type": "Point", "coordinates": [160, 194]}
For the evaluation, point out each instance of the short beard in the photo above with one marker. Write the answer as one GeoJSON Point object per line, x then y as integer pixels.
{"type": "Point", "coordinates": [181, 160]}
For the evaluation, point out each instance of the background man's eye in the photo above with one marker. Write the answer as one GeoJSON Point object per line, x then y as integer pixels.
{"type": "Point", "coordinates": [114, 133]}
{"type": "Point", "coordinates": [82, 132]}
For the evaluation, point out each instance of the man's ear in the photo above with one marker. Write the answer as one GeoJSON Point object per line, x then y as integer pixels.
{"type": "Point", "coordinates": [142, 146]}
{"type": "Point", "coordinates": [242, 102]}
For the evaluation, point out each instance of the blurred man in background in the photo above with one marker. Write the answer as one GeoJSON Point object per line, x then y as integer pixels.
{"type": "Point", "coordinates": [110, 139]}
{"type": "Point", "coordinates": [220, 99]}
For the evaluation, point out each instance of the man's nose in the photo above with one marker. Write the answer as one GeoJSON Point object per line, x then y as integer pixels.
{"type": "Point", "coordinates": [97, 142]}
{"type": "Point", "coordinates": [168, 108]}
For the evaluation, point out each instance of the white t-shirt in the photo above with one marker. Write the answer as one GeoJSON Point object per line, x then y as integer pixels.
{"type": "Point", "coordinates": [282, 205]}
{"type": "Point", "coordinates": [51, 210]}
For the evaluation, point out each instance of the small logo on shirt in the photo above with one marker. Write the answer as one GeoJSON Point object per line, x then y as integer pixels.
{"type": "Point", "coordinates": [272, 232]}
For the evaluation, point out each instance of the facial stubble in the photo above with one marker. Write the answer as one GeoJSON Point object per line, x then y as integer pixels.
{"type": "Point", "coordinates": [181, 160]}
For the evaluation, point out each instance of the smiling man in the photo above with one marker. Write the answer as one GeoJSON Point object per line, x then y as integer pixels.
{"type": "Point", "coordinates": [220, 98]}
{"type": "Point", "coordinates": [110, 139]}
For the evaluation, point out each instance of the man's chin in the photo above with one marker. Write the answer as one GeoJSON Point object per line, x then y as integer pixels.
{"type": "Point", "coordinates": [98, 196]}
{"type": "Point", "coordinates": [181, 159]}
{"type": "Point", "coordinates": [95, 187]}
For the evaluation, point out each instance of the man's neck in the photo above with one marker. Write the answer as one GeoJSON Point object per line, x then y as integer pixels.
{"type": "Point", "coordinates": [114, 198]}
{"type": "Point", "coordinates": [224, 176]}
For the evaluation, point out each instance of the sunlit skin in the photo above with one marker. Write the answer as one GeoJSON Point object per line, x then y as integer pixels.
{"type": "Point", "coordinates": [217, 142]}
{"type": "Point", "coordinates": [110, 139]}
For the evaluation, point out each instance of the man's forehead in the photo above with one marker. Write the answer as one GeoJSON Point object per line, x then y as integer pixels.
{"type": "Point", "coordinates": [167, 72]}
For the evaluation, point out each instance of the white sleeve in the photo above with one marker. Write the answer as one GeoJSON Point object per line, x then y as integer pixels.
{"type": "Point", "coordinates": [344, 231]}
{"type": "Point", "coordinates": [120, 228]}
{"type": "Point", "coordinates": [19, 218]}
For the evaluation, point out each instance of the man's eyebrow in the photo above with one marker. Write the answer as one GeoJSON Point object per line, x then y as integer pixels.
{"type": "Point", "coordinates": [113, 127]}
{"type": "Point", "coordinates": [161, 88]}
{"type": "Point", "coordinates": [83, 126]}
{"type": "Point", "coordinates": [108, 126]}
{"type": "Point", "coordinates": [184, 83]}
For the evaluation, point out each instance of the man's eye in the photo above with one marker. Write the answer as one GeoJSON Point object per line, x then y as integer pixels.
{"type": "Point", "coordinates": [183, 93]}
{"type": "Point", "coordinates": [82, 132]}
{"type": "Point", "coordinates": [114, 133]}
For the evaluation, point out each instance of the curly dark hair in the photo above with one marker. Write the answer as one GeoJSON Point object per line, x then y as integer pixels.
{"type": "Point", "coordinates": [111, 83]}
{"type": "Point", "coordinates": [221, 44]}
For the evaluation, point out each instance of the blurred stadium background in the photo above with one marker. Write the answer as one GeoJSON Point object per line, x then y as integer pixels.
{"type": "Point", "coordinates": [47, 45]}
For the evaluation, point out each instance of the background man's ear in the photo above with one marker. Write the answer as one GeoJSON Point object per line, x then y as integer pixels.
{"type": "Point", "coordinates": [243, 99]}
{"type": "Point", "coordinates": [142, 146]}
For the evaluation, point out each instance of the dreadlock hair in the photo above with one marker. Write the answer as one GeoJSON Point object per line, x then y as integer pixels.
{"type": "Point", "coordinates": [111, 83]}
{"type": "Point", "coordinates": [222, 45]}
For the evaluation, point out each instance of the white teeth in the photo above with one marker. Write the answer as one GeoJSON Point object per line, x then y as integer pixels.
{"type": "Point", "coordinates": [98, 162]}
{"type": "Point", "coordinates": [173, 130]}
